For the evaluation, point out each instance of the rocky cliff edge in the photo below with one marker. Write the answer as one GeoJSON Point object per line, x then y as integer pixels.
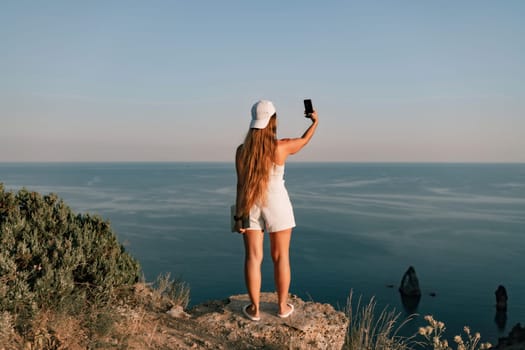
{"type": "Point", "coordinates": [222, 325]}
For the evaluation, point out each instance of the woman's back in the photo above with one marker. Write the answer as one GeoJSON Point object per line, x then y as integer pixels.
{"type": "Point", "coordinates": [263, 204]}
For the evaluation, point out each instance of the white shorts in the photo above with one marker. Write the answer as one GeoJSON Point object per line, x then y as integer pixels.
{"type": "Point", "coordinates": [276, 214]}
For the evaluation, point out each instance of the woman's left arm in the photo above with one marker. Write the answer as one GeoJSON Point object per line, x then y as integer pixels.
{"type": "Point", "coordinates": [238, 165]}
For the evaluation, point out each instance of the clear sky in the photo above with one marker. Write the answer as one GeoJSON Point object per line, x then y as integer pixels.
{"type": "Point", "coordinates": [409, 81]}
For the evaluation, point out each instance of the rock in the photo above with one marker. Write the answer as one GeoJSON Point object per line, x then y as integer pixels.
{"type": "Point", "coordinates": [311, 326]}
{"type": "Point", "coordinates": [515, 340]}
{"type": "Point", "coordinates": [410, 284]}
{"type": "Point", "coordinates": [177, 312]}
{"type": "Point", "coordinates": [501, 298]}
{"type": "Point", "coordinates": [410, 292]}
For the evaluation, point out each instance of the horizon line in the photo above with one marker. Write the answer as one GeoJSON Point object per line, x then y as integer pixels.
{"type": "Point", "coordinates": [230, 162]}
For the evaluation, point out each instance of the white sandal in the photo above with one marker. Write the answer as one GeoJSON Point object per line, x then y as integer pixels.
{"type": "Point", "coordinates": [285, 315]}
{"type": "Point", "coordinates": [245, 312]}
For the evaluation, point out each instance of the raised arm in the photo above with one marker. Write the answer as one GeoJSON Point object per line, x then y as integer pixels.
{"type": "Point", "coordinates": [285, 147]}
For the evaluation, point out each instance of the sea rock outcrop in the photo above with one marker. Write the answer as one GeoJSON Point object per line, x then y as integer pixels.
{"type": "Point", "coordinates": [409, 290]}
{"type": "Point", "coordinates": [515, 340]}
{"type": "Point", "coordinates": [311, 326]}
{"type": "Point", "coordinates": [409, 285]}
{"type": "Point", "coordinates": [501, 298]}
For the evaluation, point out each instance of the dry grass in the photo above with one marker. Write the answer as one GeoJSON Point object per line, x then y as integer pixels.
{"type": "Point", "coordinates": [142, 317]}
{"type": "Point", "coordinates": [8, 335]}
{"type": "Point", "coordinates": [176, 291]}
{"type": "Point", "coordinates": [371, 332]}
{"type": "Point", "coordinates": [52, 330]}
{"type": "Point", "coordinates": [433, 333]}
{"type": "Point", "coordinates": [136, 319]}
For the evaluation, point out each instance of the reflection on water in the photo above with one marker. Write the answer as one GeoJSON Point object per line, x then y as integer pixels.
{"type": "Point", "coordinates": [410, 303]}
{"type": "Point", "coordinates": [501, 320]}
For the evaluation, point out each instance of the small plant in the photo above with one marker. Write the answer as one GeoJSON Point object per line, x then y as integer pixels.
{"type": "Point", "coordinates": [176, 291]}
{"type": "Point", "coordinates": [434, 331]}
{"type": "Point", "coordinates": [368, 332]}
{"type": "Point", "coordinates": [371, 332]}
{"type": "Point", "coordinates": [7, 331]}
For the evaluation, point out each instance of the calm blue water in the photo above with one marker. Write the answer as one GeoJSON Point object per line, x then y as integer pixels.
{"type": "Point", "coordinates": [360, 226]}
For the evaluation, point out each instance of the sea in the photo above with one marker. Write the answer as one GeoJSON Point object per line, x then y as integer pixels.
{"type": "Point", "coordinates": [360, 226]}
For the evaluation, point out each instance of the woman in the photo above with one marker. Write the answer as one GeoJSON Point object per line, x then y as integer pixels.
{"type": "Point", "coordinates": [263, 203]}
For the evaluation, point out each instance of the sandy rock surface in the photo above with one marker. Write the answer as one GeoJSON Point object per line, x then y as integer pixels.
{"type": "Point", "coordinates": [311, 326]}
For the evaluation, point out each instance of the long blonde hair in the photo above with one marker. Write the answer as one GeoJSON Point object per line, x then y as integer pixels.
{"type": "Point", "coordinates": [256, 160]}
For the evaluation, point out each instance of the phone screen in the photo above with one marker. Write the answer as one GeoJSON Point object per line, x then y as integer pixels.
{"type": "Point", "coordinates": [308, 108]}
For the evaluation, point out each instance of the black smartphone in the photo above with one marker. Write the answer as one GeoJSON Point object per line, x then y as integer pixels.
{"type": "Point", "coordinates": [308, 108]}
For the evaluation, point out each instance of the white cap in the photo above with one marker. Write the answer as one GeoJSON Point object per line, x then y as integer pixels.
{"type": "Point", "coordinates": [262, 111]}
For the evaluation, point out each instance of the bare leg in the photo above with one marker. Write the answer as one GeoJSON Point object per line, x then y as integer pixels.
{"type": "Point", "coordinates": [253, 246]}
{"type": "Point", "coordinates": [280, 247]}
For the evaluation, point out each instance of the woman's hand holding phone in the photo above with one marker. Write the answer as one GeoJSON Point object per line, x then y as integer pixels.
{"type": "Point", "coordinates": [313, 116]}
{"type": "Point", "coordinates": [309, 111]}
{"type": "Point", "coordinates": [308, 108]}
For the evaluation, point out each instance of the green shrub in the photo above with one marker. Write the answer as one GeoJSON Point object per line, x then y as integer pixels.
{"type": "Point", "coordinates": [52, 258]}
